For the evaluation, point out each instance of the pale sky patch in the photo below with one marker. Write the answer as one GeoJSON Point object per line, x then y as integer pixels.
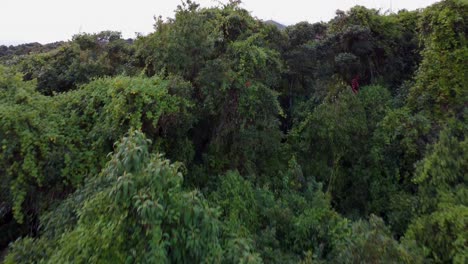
{"type": "Point", "coordinates": [47, 21]}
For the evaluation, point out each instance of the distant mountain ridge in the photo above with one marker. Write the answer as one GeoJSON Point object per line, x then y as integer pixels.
{"type": "Point", "coordinates": [9, 51]}
{"type": "Point", "coordinates": [277, 24]}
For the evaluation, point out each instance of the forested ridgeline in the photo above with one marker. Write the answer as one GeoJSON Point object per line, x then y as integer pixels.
{"type": "Point", "coordinates": [220, 138]}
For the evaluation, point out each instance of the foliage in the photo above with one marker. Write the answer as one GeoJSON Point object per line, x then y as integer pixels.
{"type": "Point", "coordinates": [107, 107]}
{"type": "Point", "coordinates": [77, 62]}
{"type": "Point", "coordinates": [32, 145]}
{"type": "Point", "coordinates": [233, 66]}
{"type": "Point", "coordinates": [50, 145]}
{"type": "Point", "coordinates": [441, 175]}
{"type": "Point", "coordinates": [236, 197]}
{"type": "Point", "coordinates": [293, 222]}
{"type": "Point", "coordinates": [326, 138]}
{"type": "Point", "coordinates": [138, 213]}
{"type": "Point", "coordinates": [372, 242]}
{"type": "Point", "coordinates": [8, 54]}
{"type": "Point", "coordinates": [340, 141]}
{"type": "Point", "coordinates": [440, 88]}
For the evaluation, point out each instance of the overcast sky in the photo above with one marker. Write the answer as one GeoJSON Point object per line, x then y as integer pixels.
{"type": "Point", "coordinates": [47, 21]}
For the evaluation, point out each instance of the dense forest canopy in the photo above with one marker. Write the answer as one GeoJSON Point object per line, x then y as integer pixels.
{"type": "Point", "coordinates": [220, 138]}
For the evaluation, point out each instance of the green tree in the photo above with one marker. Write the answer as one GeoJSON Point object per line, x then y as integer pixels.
{"type": "Point", "coordinates": [327, 144]}
{"type": "Point", "coordinates": [79, 61]}
{"type": "Point", "coordinates": [441, 177]}
{"type": "Point", "coordinates": [440, 88]}
{"type": "Point", "coordinates": [137, 211]}
{"type": "Point", "coordinates": [372, 242]}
